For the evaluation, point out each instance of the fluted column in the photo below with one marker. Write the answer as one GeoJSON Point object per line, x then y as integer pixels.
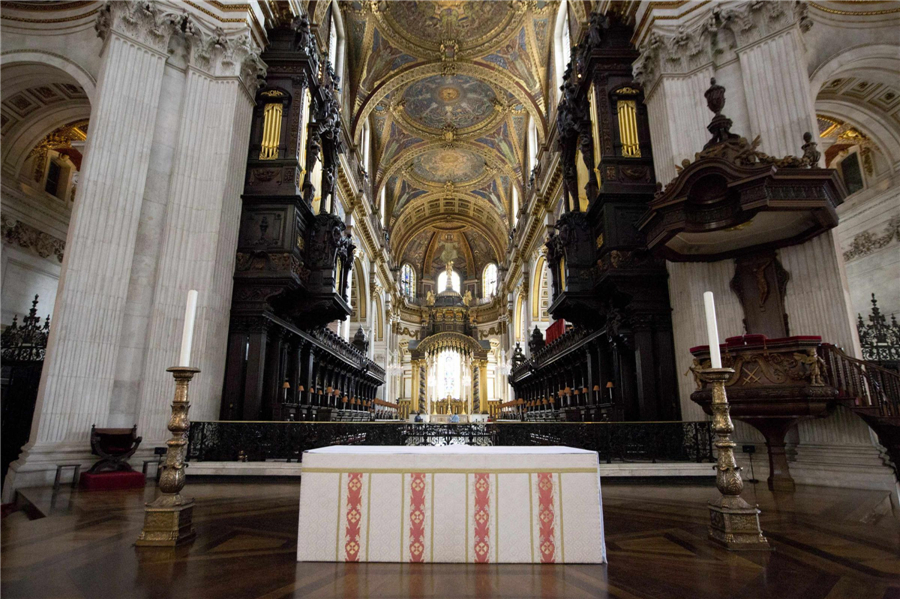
{"type": "Point", "coordinates": [677, 117]}
{"type": "Point", "coordinates": [778, 96]}
{"type": "Point", "coordinates": [79, 370]}
{"type": "Point", "coordinates": [754, 49]}
{"type": "Point", "coordinates": [202, 220]}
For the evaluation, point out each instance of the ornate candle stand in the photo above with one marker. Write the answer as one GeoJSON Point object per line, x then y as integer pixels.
{"type": "Point", "coordinates": [168, 520]}
{"type": "Point", "coordinates": [733, 523]}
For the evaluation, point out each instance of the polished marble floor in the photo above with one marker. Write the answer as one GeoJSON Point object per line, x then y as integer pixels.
{"type": "Point", "coordinates": [829, 543]}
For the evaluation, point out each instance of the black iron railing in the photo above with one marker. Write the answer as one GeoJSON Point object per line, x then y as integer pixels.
{"type": "Point", "coordinates": [614, 441]}
{"type": "Point", "coordinates": [880, 340]}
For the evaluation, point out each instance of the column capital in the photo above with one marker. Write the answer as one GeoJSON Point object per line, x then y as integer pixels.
{"type": "Point", "coordinates": [223, 55]}
{"type": "Point", "coordinates": [218, 53]}
{"type": "Point", "coordinates": [139, 21]}
{"type": "Point", "coordinates": [715, 38]}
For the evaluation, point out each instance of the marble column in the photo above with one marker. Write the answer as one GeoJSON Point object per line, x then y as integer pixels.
{"type": "Point", "coordinates": [775, 76]}
{"type": "Point", "coordinates": [755, 50]}
{"type": "Point", "coordinates": [201, 226]}
{"type": "Point", "coordinates": [675, 139]}
{"type": "Point", "coordinates": [687, 282]}
{"type": "Point", "coordinates": [79, 370]}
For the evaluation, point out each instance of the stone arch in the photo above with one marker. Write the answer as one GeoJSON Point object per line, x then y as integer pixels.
{"type": "Point", "coordinates": [362, 294]}
{"type": "Point", "coordinates": [520, 335]}
{"type": "Point", "coordinates": [28, 70]}
{"type": "Point", "coordinates": [49, 59]}
{"type": "Point", "coordinates": [885, 135]}
{"type": "Point", "coordinates": [378, 312]}
{"type": "Point", "coordinates": [880, 62]}
{"type": "Point", "coordinates": [24, 136]}
{"type": "Point", "coordinates": [539, 283]}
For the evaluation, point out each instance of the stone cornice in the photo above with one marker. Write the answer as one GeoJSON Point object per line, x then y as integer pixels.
{"type": "Point", "coordinates": [715, 38]}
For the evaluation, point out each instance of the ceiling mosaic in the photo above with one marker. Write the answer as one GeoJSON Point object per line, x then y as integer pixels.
{"type": "Point", "coordinates": [448, 164]}
{"type": "Point", "coordinates": [446, 88]}
{"type": "Point", "coordinates": [456, 100]}
{"type": "Point", "coordinates": [426, 24]}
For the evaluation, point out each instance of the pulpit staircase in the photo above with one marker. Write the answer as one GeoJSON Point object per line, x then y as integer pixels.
{"type": "Point", "coordinates": [871, 391]}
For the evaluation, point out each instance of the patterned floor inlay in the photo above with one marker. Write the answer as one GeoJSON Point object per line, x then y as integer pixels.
{"type": "Point", "coordinates": [828, 545]}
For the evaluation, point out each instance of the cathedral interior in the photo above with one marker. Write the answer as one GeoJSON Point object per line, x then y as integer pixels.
{"type": "Point", "coordinates": [501, 215]}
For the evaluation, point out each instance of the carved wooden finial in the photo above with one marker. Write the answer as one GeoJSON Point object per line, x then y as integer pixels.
{"type": "Point", "coordinates": [720, 126]}
{"type": "Point", "coordinates": [715, 97]}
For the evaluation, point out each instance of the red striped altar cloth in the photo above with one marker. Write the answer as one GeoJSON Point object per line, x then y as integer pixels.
{"type": "Point", "coordinates": [451, 504]}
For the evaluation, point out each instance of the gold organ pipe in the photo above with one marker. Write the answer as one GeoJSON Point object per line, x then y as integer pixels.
{"type": "Point", "coordinates": [304, 123]}
{"type": "Point", "coordinates": [631, 147]}
{"type": "Point", "coordinates": [271, 131]}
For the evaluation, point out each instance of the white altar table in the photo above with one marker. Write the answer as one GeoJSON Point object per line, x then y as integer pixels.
{"type": "Point", "coordinates": [457, 503]}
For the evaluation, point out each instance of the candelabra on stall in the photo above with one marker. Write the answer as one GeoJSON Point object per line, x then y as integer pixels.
{"type": "Point", "coordinates": [168, 520]}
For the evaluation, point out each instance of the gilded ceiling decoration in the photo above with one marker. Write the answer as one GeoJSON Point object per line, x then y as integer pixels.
{"type": "Point", "coordinates": [426, 26]}
{"type": "Point", "coordinates": [448, 164]}
{"type": "Point", "coordinates": [436, 245]}
{"type": "Point", "coordinates": [446, 88]}
{"type": "Point", "coordinates": [843, 97]}
{"type": "Point", "coordinates": [456, 100]}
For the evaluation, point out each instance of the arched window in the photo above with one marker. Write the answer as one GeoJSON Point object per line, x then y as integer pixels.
{"type": "Point", "coordinates": [515, 203]}
{"type": "Point", "coordinates": [408, 282]}
{"type": "Point", "coordinates": [336, 40]}
{"type": "Point", "coordinates": [366, 147]}
{"type": "Point", "coordinates": [449, 369]}
{"type": "Point", "coordinates": [489, 280]}
{"type": "Point", "coordinates": [384, 216]}
{"type": "Point", "coordinates": [532, 146]}
{"type": "Point", "coordinates": [454, 281]}
{"type": "Point", "coordinates": [562, 51]}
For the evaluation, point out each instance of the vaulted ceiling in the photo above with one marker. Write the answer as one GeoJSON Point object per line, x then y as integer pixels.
{"type": "Point", "coordinates": [447, 88]}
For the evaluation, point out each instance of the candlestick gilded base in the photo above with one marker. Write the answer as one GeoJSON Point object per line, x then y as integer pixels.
{"type": "Point", "coordinates": [168, 520]}
{"type": "Point", "coordinates": [733, 523]}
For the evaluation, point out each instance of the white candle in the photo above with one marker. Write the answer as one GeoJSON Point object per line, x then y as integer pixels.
{"type": "Point", "coordinates": [711, 330]}
{"type": "Point", "coordinates": [187, 336]}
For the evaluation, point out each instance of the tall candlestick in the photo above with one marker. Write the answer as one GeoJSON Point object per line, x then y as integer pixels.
{"type": "Point", "coordinates": [187, 336]}
{"type": "Point", "coordinates": [711, 330]}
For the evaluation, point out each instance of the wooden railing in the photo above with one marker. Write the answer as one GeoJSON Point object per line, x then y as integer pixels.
{"type": "Point", "coordinates": [866, 384]}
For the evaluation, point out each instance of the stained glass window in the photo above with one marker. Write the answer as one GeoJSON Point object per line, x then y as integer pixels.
{"type": "Point", "coordinates": [408, 282]}
{"type": "Point", "coordinates": [489, 280]}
